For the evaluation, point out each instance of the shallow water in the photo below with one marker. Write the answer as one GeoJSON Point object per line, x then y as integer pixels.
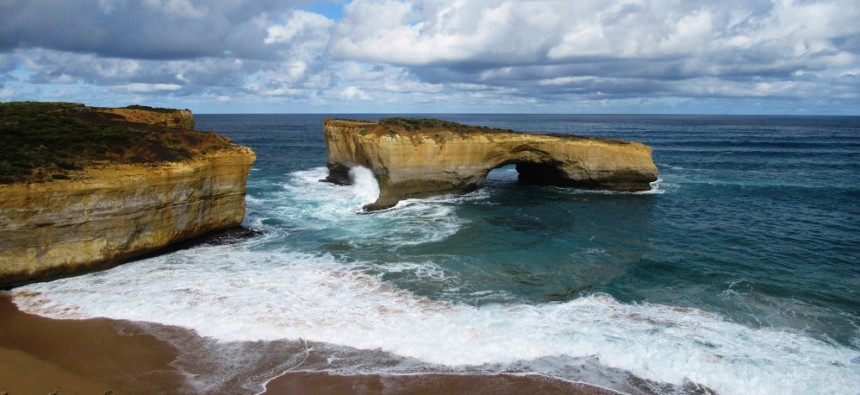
{"type": "Point", "coordinates": [740, 271]}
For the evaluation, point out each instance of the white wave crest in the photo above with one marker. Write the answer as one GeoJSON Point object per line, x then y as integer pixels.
{"type": "Point", "coordinates": [234, 294]}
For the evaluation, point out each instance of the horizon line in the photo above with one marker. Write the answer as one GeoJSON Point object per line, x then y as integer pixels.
{"type": "Point", "coordinates": [528, 113]}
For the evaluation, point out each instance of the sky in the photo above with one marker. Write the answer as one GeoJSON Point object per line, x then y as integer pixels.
{"type": "Point", "coordinates": [792, 57]}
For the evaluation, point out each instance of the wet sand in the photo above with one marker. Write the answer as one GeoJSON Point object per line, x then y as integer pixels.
{"type": "Point", "coordinates": [419, 384]}
{"type": "Point", "coordinates": [39, 355]}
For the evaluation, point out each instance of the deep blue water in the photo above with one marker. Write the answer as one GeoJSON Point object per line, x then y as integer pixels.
{"type": "Point", "coordinates": [740, 271]}
{"type": "Point", "coordinates": [759, 219]}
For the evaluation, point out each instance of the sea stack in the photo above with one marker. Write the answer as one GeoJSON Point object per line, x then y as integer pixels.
{"type": "Point", "coordinates": [413, 158]}
{"type": "Point", "coordinates": [86, 188]}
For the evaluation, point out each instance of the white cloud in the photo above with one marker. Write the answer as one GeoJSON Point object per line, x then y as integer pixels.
{"type": "Point", "coordinates": [565, 80]}
{"type": "Point", "coordinates": [149, 88]}
{"type": "Point", "coordinates": [63, 79]}
{"type": "Point", "coordinates": [300, 23]}
{"type": "Point", "coordinates": [450, 33]}
{"type": "Point", "coordinates": [397, 32]}
{"type": "Point", "coordinates": [114, 68]}
{"type": "Point", "coordinates": [444, 54]}
{"type": "Point", "coordinates": [353, 93]}
{"type": "Point", "coordinates": [178, 8]}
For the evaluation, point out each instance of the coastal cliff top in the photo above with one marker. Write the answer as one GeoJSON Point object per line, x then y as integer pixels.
{"type": "Point", "coordinates": [430, 126]}
{"type": "Point", "coordinates": [48, 141]}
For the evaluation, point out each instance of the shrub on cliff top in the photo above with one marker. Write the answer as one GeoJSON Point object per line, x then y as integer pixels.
{"type": "Point", "coordinates": [148, 108]}
{"type": "Point", "coordinates": [44, 140]}
{"type": "Point", "coordinates": [415, 124]}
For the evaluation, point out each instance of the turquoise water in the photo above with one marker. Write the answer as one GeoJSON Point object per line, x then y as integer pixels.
{"type": "Point", "coordinates": [739, 271]}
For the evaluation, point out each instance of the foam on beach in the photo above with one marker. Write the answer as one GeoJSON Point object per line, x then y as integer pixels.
{"type": "Point", "coordinates": [233, 295]}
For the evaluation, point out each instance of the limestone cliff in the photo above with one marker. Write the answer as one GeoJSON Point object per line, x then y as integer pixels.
{"type": "Point", "coordinates": [108, 211]}
{"type": "Point", "coordinates": [418, 158]}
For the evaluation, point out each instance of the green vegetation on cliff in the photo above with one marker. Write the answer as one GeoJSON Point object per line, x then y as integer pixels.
{"type": "Point", "coordinates": [414, 124]}
{"type": "Point", "coordinates": [148, 108]}
{"type": "Point", "coordinates": [430, 125]}
{"type": "Point", "coordinates": [45, 141]}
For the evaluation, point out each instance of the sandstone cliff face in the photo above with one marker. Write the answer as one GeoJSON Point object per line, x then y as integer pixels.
{"type": "Point", "coordinates": [111, 213]}
{"type": "Point", "coordinates": [135, 180]}
{"type": "Point", "coordinates": [418, 158]}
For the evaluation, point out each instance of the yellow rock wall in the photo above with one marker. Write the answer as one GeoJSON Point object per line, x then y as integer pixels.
{"type": "Point", "coordinates": [108, 214]}
{"type": "Point", "coordinates": [437, 160]}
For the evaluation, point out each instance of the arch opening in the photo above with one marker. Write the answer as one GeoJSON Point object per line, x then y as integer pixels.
{"type": "Point", "coordinates": [529, 173]}
{"type": "Point", "coordinates": [502, 174]}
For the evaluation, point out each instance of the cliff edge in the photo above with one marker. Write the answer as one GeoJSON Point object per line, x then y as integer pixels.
{"type": "Point", "coordinates": [84, 188]}
{"type": "Point", "coordinates": [413, 158]}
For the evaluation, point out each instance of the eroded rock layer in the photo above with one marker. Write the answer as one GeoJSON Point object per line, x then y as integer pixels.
{"type": "Point", "coordinates": [109, 212]}
{"type": "Point", "coordinates": [417, 158]}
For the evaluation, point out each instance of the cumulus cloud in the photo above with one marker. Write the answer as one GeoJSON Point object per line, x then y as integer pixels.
{"type": "Point", "coordinates": [301, 25]}
{"type": "Point", "coordinates": [174, 8]}
{"type": "Point", "coordinates": [480, 52]}
{"type": "Point", "coordinates": [141, 29]}
{"type": "Point", "coordinates": [147, 46]}
{"type": "Point", "coordinates": [147, 88]}
{"type": "Point", "coordinates": [606, 47]}
{"type": "Point", "coordinates": [511, 32]}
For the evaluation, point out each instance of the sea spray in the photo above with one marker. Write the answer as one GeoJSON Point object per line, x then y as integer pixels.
{"type": "Point", "coordinates": [364, 184]}
{"type": "Point", "coordinates": [325, 213]}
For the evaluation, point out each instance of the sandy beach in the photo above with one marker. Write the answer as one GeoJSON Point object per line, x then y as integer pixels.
{"type": "Point", "coordinates": [39, 355]}
{"type": "Point", "coordinates": [426, 384]}
{"type": "Point", "coordinates": [92, 356]}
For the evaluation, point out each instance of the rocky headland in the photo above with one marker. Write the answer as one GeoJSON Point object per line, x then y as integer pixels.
{"type": "Point", "coordinates": [413, 158]}
{"type": "Point", "coordinates": [84, 188]}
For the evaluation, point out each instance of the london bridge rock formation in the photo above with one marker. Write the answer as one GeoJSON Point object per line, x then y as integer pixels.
{"type": "Point", "coordinates": [413, 158]}
{"type": "Point", "coordinates": [83, 188]}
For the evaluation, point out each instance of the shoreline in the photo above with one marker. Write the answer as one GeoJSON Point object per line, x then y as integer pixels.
{"type": "Point", "coordinates": [97, 355]}
{"type": "Point", "coordinates": [300, 382]}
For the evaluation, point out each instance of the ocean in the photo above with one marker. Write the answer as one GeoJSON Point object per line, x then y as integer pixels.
{"type": "Point", "coordinates": [738, 273]}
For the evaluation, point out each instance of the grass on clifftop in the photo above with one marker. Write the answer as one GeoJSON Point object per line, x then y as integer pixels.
{"type": "Point", "coordinates": [415, 124]}
{"type": "Point", "coordinates": [430, 124]}
{"type": "Point", "coordinates": [46, 141]}
{"type": "Point", "coordinates": [412, 124]}
{"type": "Point", "coordinates": [148, 108]}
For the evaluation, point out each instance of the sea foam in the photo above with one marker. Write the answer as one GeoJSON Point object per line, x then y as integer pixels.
{"type": "Point", "coordinates": [307, 204]}
{"type": "Point", "coordinates": [231, 293]}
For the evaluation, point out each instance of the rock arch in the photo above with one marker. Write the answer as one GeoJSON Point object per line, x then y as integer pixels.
{"type": "Point", "coordinates": [413, 158]}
